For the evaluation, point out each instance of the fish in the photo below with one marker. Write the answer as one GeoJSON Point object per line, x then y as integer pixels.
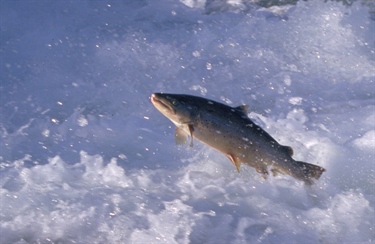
{"type": "Point", "coordinates": [230, 131]}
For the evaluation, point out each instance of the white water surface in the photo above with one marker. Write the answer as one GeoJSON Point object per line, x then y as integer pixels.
{"type": "Point", "coordinates": [86, 158]}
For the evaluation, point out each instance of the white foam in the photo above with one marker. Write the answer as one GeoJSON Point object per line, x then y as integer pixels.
{"type": "Point", "coordinates": [58, 201]}
{"type": "Point", "coordinates": [366, 142]}
{"type": "Point", "coordinates": [85, 158]}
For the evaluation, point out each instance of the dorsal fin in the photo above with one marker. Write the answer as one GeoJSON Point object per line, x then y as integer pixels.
{"type": "Point", "coordinates": [243, 109]}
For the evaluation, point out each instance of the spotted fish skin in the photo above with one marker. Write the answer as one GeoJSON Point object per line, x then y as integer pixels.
{"type": "Point", "coordinates": [230, 131]}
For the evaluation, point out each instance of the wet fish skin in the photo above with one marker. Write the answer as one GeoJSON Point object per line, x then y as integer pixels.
{"type": "Point", "coordinates": [230, 131]}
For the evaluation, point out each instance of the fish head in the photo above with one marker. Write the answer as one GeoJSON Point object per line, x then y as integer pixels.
{"type": "Point", "coordinates": [176, 107]}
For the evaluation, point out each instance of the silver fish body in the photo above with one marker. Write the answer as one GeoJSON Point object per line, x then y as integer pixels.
{"type": "Point", "coordinates": [230, 131]}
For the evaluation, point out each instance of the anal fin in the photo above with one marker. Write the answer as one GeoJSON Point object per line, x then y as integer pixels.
{"type": "Point", "coordinates": [263, 171]}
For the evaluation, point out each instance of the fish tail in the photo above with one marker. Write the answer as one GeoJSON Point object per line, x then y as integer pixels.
{"type": "Point", "coordinates": [311, 171]}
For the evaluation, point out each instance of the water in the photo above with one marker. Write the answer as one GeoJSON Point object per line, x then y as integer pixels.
{"type": "Point", "coordinates": [86, 158]}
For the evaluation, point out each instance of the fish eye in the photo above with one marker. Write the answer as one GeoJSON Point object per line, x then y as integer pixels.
{"type": "Point", "coordinates": [174, 102]}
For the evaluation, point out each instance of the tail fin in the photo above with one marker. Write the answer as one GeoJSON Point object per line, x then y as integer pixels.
{"type": "Point", "coordinates": [311, 171]}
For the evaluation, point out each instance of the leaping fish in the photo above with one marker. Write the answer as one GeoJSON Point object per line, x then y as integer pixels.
{"type": "Point", "coordinates": [229, 130]}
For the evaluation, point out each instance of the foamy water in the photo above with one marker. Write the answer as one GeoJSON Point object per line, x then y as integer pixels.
{"type": "Point", "coordinates": [86, 158]}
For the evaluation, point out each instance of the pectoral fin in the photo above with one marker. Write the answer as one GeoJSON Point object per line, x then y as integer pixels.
{"type": "Point", "coordinates": [236, 163]}
{"type": "Point", "coordinates": [191, 130]}
{"type": "Point", "coordinates": [180, 136]}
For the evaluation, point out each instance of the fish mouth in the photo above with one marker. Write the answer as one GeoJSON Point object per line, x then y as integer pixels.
{"type": "Point", "coordinates": [161, 103]}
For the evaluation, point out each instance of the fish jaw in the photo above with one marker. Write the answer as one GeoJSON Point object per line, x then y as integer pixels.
{"type": "Point", "coordinates": [163, 105]}
{"type": "Point", "coordinates": [174, 109]}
